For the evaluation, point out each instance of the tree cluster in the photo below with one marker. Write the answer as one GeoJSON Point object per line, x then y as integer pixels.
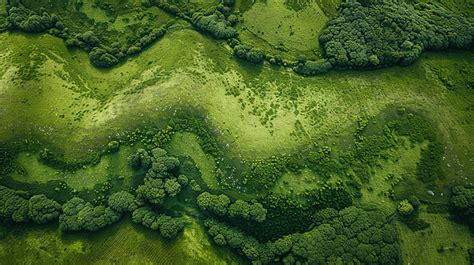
{"type": "Point", "coordinates": [123, 201]}
{"type": "Point", "coordinates": [385, 33]}
{"type": "Point", "coordinates": [248, 53]}
{"type": "Point", "coordinates": [160, 179]}
{"type": "Point", "coordinates": [81, 215]}
{"type": "Point", "coordinates": [351, 235]}
{"type": "Point", "coordinates": [309, 68]}
{"type": "Point", "coordinates": [19, 207]}
{"type": "Point", "coordinates": [215, 24]}
{"type": "Point", "coordinates": [221, 205]}
{"type": "Point", "coordinates": [28, 21]}
{"type": "Point", "coordinates": [169, 227]}
{"type": "Point", "coordinates": [462, 203]}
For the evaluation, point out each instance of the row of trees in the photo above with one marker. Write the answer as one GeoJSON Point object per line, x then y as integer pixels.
{"type": "Point", "coordinates": [101, 55]}
{"type": "Point", "coordinates": [222, 206]}
{"type": "Point", "coordinates": [169, 227]}
{"type": "Point", "coordinates": [384, 33]}
{"type": "Point", "coordinates": [19, 207]}
{"type": "Point", "coordinates": [351, 235]}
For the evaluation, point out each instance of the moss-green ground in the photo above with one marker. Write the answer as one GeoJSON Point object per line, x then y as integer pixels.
{"type": "Point", "coordinates": [51, 94]}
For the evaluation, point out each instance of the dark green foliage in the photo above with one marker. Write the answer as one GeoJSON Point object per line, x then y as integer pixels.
{"type": "Point", "coordinates": [332, 195]}
{"type": "Point", "coordinates": [248, 53]}
{"type": "Point", "coordinates": [13, 206]}
{"type": "Point", "coordinates": [172, 187]}
{"type": "Point", "coordinates": [462, 203]}
{"type": "Point", "coordinates": [152, 191]}
{"type": "Point", "coordinates": [169, 227]}
{"type": "Point", "coordinates": [101, 58]}
{"type": "Point", "coordinates": [217, 204]}
{"type": "Point", "coordinates": [42, 210]}
{"type": "Point", "coordinates": [81, 215]}
{"type": "Point", "coordinates": [248, 211]}
{"type": "Point", "coordinates": [264, 173]}
{"type": "Point", "coordinates": [417, 224]}
{"type": "Point", "coordinates": [26, 20]}
{"type": "Point", "coordinates": [321, 66]}
{"type": "Point", "coordinates": [429, 167]}
{"type": "Point", "coordinates": [214, 24]}
{"type": "Point", "coordinates": [284, 216]}
{"type": "Point", "coordinates": [141, 159]}
{"type": "Point", "coordinates": [162, 165]}
{"type": "Point", "coordinates": [350, 235]}
{"type": "Point", "coordinates": [123, 201]}
{"type": "Point", "coordinates": [391, 32]}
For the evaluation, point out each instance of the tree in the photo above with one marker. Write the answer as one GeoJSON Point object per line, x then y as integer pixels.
{"type": "Point", "coordinates": [405, 208]}
{"type": "Point", "coordinates": [172, 187]}
{"type": "Point", "coordinates": [81, 215]}
{"type": "Point", "coordinates": [123, 201]}
{"type": "Point", "coordinates": [248, 53]}
{"type": "Point", "coordinates": [100, 57]}
{"type": "Point", "coordinates": [214, 24]}
{"type": "Point", "coordinates": [26, 20]}
{"type": "Point", "coordinates": [169, 227]}
{"type": "Point", "coordinates": [217, 204]}
{"type": "Point", "coordinates": [153, 191]}
{"type": "Point", "coordinates": [42, 210]}
{"type": "Point", "coordinates": [13, 207]}
{"type": "Point", "coordinates": [462, 203]}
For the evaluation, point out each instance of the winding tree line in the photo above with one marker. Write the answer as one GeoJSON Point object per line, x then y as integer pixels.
{"type": "Point", "coordinates": [365, 34]}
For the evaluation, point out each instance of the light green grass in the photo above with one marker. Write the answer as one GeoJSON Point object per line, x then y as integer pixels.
{"type": "Point", "coordinates": [122, 243]}
{"type": "Point", "coordinates": [112, 165]}
{"type": "Point", "coordinates": [271, 24]}
{"type": "Point", "coordinates": [399, 169]}
{"type": "Point", "coordinates": [187, 144]}
{"type": "Point", "coordinates": [421, 247]}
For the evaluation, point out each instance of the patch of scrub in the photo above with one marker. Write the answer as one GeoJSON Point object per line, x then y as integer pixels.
{"type": "Point", "coordinates": [187, 144]}
{"type": "Point", "coordinates": [112, 165]}
{"type": "Point", "coordinates": [400, 167]}
{"type": "Point", "coordinates": [444, 242]}
{"type": "Point", "coordinates": [295, 184]}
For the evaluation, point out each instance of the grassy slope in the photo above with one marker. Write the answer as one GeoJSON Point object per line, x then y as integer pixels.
{"type": "Point", "coordinates": [123, 243]}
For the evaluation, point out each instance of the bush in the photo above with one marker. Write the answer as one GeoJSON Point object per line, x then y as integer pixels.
{"type": "Point", "coordinates": [251, 54]}
{"type": "Point", "coordinates": [123, 201]}
{"type": "Point", "coordinates": [102, 58]}
{"type": "Point", "coordinates": [13, 207]}
{"type": "Point", "coordinates": [42, 210]}
{"type": "Point", "coordinates": [169, 227]}
{"type": "Point", "coordinates": [215, 24]}
{"type": "Point", "coordinates": [28, 21]}
{"type": "Point", "coordinates": [81, 215]}
{"type": "Point", "coordinates": [313, 67]}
